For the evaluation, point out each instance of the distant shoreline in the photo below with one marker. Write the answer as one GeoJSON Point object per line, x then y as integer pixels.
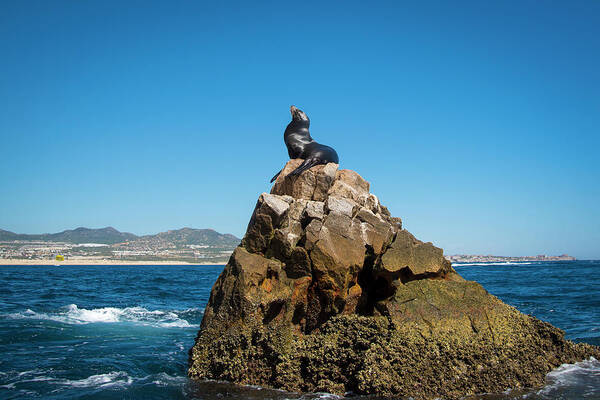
{"type": "Point", "coordinates": [475, 258]}
{"type": "Point", "coordinates": [5, 262]}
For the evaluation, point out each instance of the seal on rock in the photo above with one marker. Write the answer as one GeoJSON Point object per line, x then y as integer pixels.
{"type": "Point", "coordinates": [301, 145]}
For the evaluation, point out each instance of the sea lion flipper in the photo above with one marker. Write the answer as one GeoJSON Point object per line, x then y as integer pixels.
{"type": "Point", "coordinates": [275, 177]}
{"type": "Point", "coordinates": [308, 163]}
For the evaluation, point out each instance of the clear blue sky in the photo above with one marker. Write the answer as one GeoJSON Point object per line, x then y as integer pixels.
{"type": "Point", "coordinates": [476, 122]}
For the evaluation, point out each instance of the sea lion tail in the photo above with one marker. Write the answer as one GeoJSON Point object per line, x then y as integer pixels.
{"type": "Point", "coordinates": [308, 163]}
{"type": "Point", "coordinates": [275, 177]}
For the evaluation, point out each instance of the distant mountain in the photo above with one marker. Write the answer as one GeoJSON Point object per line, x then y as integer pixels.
{"type": "Point", "coordinates": [109, 235]}
{"type": "Point", "coordinates": [187, 236]}
{"type": "Point", "coordinates": [7, 235]}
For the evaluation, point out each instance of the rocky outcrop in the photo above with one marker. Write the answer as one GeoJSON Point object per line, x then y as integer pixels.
{"type": "Point", "coordinates": [327, 292]}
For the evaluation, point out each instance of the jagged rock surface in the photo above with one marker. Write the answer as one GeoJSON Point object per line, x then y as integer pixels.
{"type": "Point", "coordinates": [327, 292]}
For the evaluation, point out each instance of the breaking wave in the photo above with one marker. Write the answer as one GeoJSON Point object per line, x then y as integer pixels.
{"type": "Point", "coordinates": [581, 380]}
{"type": "Point", "coordinates": [116, 378]}
{"type": "Point", "coordinates": [72, 314]}
{"type": "Point", "coordinates": [110, 379]}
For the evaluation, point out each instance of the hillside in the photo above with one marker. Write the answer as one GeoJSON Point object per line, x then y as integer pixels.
{"type": "Point", "coordinates": [108, 235]}
{"type": "Point", "coordinates": [186, 244]}
{"type": "Point", "coordinates": [189, 236]}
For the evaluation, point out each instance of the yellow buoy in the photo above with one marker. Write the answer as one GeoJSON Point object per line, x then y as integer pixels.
{"type": "Point", "coordinates": [60, 258]}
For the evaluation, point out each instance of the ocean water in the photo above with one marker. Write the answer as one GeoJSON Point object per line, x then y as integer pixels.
{"type": "Point", "coordinates": [123, 332]}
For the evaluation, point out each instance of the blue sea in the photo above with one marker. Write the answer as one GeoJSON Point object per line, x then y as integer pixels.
{"type": "Point", "coordinates": [123, 332]}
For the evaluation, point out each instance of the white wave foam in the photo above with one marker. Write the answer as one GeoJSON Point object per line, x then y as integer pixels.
{"type": "Point", "coordinates": [72, 314]}
{"type": "Point", "coordinates": [118, 379]}
{"type": "Point", "coordinates": [584, 374]}
{"type": "Point", "coordinates": [29, 372]}
{"type": "Point", "coordinates": [163, 379]}
{"type": "Point", "coordinates": [115, 378]}
{"type": "Point", "coordinates": [37, 379]}
{"type": "Point", "coordinates": [8, 386]}
{"type": "Point", "coordinates": [180, 323]}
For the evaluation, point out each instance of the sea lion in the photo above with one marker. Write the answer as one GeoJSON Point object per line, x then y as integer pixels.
{"type": "Point", "coordinates": [301, 145]}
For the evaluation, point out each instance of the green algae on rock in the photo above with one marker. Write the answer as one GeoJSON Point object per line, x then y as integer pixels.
{"type": "Point", "coordinates": [327, 292]}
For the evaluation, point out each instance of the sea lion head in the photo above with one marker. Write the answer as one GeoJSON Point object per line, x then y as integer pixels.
{"type": "Point", "coordinates": [298, 114]}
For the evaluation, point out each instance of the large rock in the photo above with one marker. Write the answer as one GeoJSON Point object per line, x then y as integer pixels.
{"type": "Point", "coordinates": [327, 292]}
